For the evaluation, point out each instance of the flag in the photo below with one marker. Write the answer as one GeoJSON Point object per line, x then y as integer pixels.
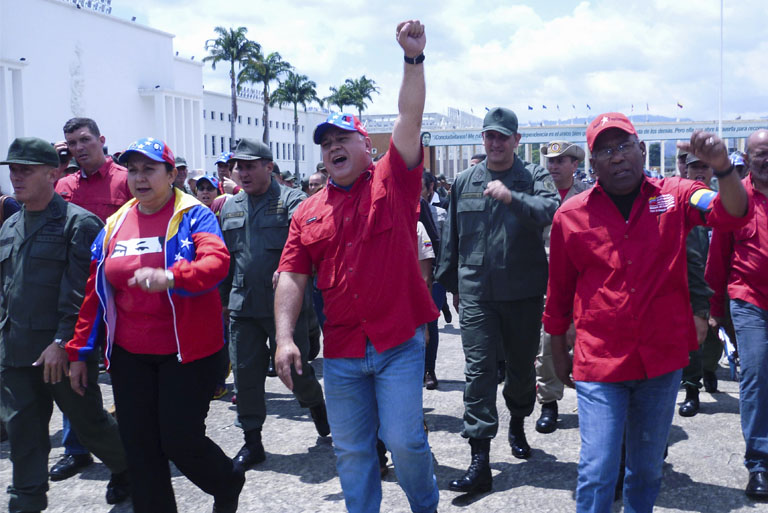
{"type": "Point", "coordinates": [487, 109]}
{"type": "Point", "coordinates": [647, 108]}
{"type": "Point", "coordinates": [574, 106]}
{"type": "Point", "coordinates": [543, 106]}
{"type": "Point", "coordinates": [632, 108]}
{"type": "Point", "coordinates": [530, 108]}
{"type": "Point", "coordinates": [558, 107]}
{"type": "Point", "coordinates": [590, 108]}
{"type": "Point", "coordinates": [680, 105]}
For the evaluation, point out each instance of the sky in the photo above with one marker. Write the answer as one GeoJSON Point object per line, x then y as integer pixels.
{"type": "Point", "coordinates": [629, 56]}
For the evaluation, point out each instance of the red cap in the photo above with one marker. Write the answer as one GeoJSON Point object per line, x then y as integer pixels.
{"type": "Point", "coordinates": [606, 121]}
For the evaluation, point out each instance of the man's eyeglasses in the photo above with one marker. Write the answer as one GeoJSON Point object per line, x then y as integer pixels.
{"type": "Point", "coordinates": [608, 153]}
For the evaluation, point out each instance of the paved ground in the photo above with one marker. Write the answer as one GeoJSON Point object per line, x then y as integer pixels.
{"type": "Point", "coordinates": [703, 473]}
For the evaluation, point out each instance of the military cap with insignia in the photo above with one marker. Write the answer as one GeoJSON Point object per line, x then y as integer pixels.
{"type": "Point", "coordinates": [500, 120]}
{"type": "Point", "coordinates": [31, 151]}
{"type": "Point", "coordinates": [251, 149]}
{"type": "Point", "coordinates": [563, 149]}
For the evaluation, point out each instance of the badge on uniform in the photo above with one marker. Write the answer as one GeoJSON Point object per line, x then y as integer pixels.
{"type": "Point", "coordinates": [702, 199]}
{"type": "Point", "coordinates": [661, 203]}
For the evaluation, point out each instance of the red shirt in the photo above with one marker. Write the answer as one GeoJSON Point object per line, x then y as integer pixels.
{"type": "Point", "coordinates": [363, 244]}
{"type": "Point", "coordinates": [624, 283]}
{"type": "Point", "coordinates": [739, 259]}
{"type": "Point", "coordinates": [102, 193]}
{"type": "Point", "coordinates": [144, 320]}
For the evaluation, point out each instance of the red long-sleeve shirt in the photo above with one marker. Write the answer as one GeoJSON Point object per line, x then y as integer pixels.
{"type": "Point", "coordinates": [624, 283]}
{"type": "Point", "coordinates": [738, 260]}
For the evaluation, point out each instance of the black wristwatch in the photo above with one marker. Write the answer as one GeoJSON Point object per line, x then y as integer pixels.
{"type": "Point", "coordinates": [414, 60]}
{"type": "Point", "coordinates": [723, 174]}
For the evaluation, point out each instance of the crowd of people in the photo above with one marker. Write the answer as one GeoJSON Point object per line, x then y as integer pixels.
{"type": "Point", "coordinates": [618, 289]}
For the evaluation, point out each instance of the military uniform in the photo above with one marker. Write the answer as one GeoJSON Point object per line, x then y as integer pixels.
{"type": "Point", "coordinates": [44, 264]}
{"type": "Point", "coordinates": [255, 230]}
{"type": "Point", "coordinates": [493, 256]}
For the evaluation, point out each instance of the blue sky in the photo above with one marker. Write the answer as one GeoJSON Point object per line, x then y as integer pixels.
{"type": "Point", "coordinates": [611, 55]}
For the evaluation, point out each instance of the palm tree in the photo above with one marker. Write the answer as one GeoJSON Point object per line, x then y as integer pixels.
{"type": "Point", "coordinates": [340, 97]}
{"type": "Point", "coordinates": [296, 89]}
{"type": "Point", "coordinates": [264, 70]}
{"type": "Point", "coordinates": [362, 88]}
{"type": "Point", "coordinates": [234, 47]}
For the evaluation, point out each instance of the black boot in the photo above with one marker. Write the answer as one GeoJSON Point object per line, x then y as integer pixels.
{"type": "Point", "coordinates": [250, 454]}
{"type": "Point", "coordinates": [478, 477]}
{"type": "Point", "coordinates": [517, 441]}
{"type": "Point", "coordinates": [320, 418]}
{"type": "Point", "coordinates": [226, 502]}
{"type": "Point", "coordinates": [547, 422]}
{"type": "Point", "coordinates": [690, 406]}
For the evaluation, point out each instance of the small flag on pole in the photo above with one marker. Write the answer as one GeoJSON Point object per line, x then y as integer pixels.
{"type": "Point", "coordinates": [680, 105]}
{"type": "Point", "coordinates": [590, 108]}
{"type": "Point", "coordinates": [530, 108]}
{"type": "Point", "coordinates": [543, 106]}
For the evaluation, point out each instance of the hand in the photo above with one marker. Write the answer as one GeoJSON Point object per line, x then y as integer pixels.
{"type": "Point", "coordinates": [149, 279]}
{"type": "Point", "coordinates": [498, 191]}
{"type": "Point", "coordinates": [716, 322]}
{"type": "Point", "coordinates": [287, 354]}
{"type": "Point", "coordinates": [78, 377]}
{"type": "Point", "coordinates": [228, 185]}
{"type": "Point", "coordinates": [411, 38]}
{"type": "Point", "coordinates": [456, 302]}
{"type": "Point", "coordinates": [702, 325]}
{"type": "Point", "coordinates": [275, 277]}
{"type": "Point", "coordinates": [709, 148]}
{"type": "Point", "coordinates": [54, 360]}
{"type": "Point", "coordinates": [561, 360]}
{"type": "Point", "coordinates": [570, 336]}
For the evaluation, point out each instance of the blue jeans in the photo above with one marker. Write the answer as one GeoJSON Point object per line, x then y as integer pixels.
{"type": "Point", "coordinates": [751, 325]}
{"type": "Point", "coordinates": [381, 391]}
{"type": "Point", "coordinates": [640, 411]}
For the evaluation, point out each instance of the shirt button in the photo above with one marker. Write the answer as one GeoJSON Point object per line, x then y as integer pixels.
{"type": "Point", "coordinates": [629, 262]}
{"type": "Point", "coordinates": [626, 236]}
{"type": "Point", "coordinates": [632, 289]}
{"type": "Point", "coordinates": [350, 269]}
{"type": "Point", "coordinates": [355, 296]}
{"type": "Point", "coordinates": [364, 320]}
{"type": "Point", "coordinates": [349, 244]}
{"type": "Point", "coordinates": [346, 219]}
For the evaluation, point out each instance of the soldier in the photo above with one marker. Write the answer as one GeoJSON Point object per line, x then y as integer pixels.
{"type": "Point", "coordinates": [493, 259]}
{"type": "Point", "coordinates": [44, 262]}
{"type": "Point", "coordinates": [255, 226]}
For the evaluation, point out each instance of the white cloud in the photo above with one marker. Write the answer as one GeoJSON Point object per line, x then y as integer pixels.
{"type": "Point", "coordinates": [480, 54]}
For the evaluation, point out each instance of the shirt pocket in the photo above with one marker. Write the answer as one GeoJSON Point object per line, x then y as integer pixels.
{"type": "Point", "coordinates": [46, 263]}
{"type": "Point", "coordinates": [233, 229]}
{"type": "Point", "coordinates": [274, 231]}
{"type": "Point", "coordinates": [747, 231]}
{"type": "Point", "coordinates": [316, 237]}
{"type": "Point", "coordinates": [471, 220]}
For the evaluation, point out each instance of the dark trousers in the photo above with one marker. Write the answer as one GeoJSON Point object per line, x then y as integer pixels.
{"type": "Point", "coordinates": [438, 296]}
{"type": "Point", "coordinates": [705, 358]}
{"type": "Point", "coordinates": [485, 327]}
{"type": "Point", "coordinates": [162, 405]}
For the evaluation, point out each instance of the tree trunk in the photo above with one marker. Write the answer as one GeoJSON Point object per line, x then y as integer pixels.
{"type": "Point", "coordinates": [234, 107]}
{"type": "Point", "coordinates": [296, 140]}
{"type": "Point", "coordinates": [265, 116]}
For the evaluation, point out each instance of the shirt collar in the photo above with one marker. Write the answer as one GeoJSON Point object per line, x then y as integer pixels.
{"type": "Point", "coordinates": [101, 171]}
{"type": "Point", "coordinates": [364, 176]}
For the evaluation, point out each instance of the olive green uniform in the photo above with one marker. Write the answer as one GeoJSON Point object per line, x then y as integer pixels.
{"type": "Point", "coordinates": [493, 256]}
{"type": "Point", "coordinates": [255, 229]}
{"type": "Point", "coordinates": [44, 264]}
{"type": "Point", "coordinates": [707, 356]}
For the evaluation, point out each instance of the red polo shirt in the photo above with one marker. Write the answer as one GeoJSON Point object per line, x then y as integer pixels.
{"type": "Point", "coordinates": [738, 260]}
{"type": "Point", "coordinates": [102, 193]}
{"type": "Point", "coordinates": [624, 283]}
{"type": "Point", "coordinates": [363, 244]}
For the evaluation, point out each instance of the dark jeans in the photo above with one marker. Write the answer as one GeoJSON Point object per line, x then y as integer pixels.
{"type": "Point", "coordinates": [162, 405]}
{"type": "Point", "coordinates": [438, 296]}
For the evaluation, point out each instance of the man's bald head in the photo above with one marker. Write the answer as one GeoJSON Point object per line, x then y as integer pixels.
{"type": "Point", "coordinates": [757, 158]}
{"type": "Point", "coordinates": [316, 182]}
{"type": "Point", "coordinates": [760, 136]}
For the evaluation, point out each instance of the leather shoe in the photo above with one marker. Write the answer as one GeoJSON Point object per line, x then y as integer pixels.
{"type": "Point", "coordinates": [69, 465]}
{"type": "Point", "coordinates": [320, 418]}
{"type": "Point", "coordinates": [517, 440]}
{"type": "Point", "coordinates": [758, 485]}
{"type": "Point", "coordinates": [547, 422]}
{"type": "Point", "coordinates": [227, 502]}
{"type": "Point", "coordinates": [710, 382]}
{"type": "Point", "coordinates": [118, 488]}
{"type": "Point", "coordinates": [690, 406]}
{"type": "Point", "coordinates": [250, 454]}
{"type": "Point", "coordinates": [430, 380]}
{"type": "Point", "coordinates": [477, 478]}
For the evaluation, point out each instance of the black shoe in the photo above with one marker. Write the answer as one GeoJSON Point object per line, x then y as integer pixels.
{"type": "Point", "coordinates": [430, 380]}
{"type": "Point", "coordinates": [517, 441]}
{"type": "Point", "coordinates": [118, 488]}
{"type": "Point", "coordinates": [227, 503]}
{"type": "Point", "coordinates": [547, 422]}
{"type": "Point", "coordinates": [447, 313]}
{"type": "Point", "coordinates": [320, 418]}
{"type": "Point", "coordinates": [69, 465]}
{"type": "Point", "coordinates": [271, 372]}
{"type": "Point", "coordinates": [501, 372]}
{"type": "Point", "coordinates": [710, 382]}
{"type": "Point", "coordinates": [758, 485]}
{"type": "Point", "coordinates": [690, 406]}
{"type": "Point", "coordinates": [250, 454]}
{"type": "Point", "coordinates": [381, 450]}
{"type": "Point", "coordinates": [478, 478]}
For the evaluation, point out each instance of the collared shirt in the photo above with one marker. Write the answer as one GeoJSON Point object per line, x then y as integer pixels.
{"type": "Point", "coordinates": [624, 283]}
{"type": "Point", "coordinates": [101, 193]}
{"type": "Point", "coordinates": [739, 259]}
{"type": "Point", "coordinates": [363, 244]}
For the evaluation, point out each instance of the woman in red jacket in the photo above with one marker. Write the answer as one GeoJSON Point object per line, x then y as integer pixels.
{"type": "Point", "coordinates": [155, 269]}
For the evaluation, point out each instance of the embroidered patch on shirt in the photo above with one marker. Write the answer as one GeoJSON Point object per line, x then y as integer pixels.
{"type": "Point", "coordinates": [661, 203]}
{"type": "Point", "coordinates": [702, 199]}
{"type": "Point", "coordinates": [133, 247]}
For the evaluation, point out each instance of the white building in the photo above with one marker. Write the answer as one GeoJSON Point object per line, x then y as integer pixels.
{"type": "Point", "coordinates": [58, 61]}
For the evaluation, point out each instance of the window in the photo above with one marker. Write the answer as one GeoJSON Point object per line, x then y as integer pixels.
{"type": "Point", "coordinates": [203, 113]}
{"type": "Point", "coordinates": [249, 120]}
{"type": "Point", "coordinates": [270, 146]}
{"type": "Point", "coordinates": [302, 150]}
{"type": "Point", "coordinates": [222, 144]}
{"type": "Point", "coordinates": [240, 119]}
{"type": "Point", "coordinates": [277, 151]}
{"type": "Point", "coordinates": [231, 145]}
{"type": "Point", "coordinates": [213, 143]}
{"type": "Point", "coordinates": [221, 116]}
{"type": "Point", "coordinates": [289, 152]}
{"type": "Point", "coordinates": [213, 115]}
{"type": "Point", "coordinates": [302, 129]}
{"type": "Point", "coordinates": [283, 126]}
{"type": "Point", "coordinates": [270, 123]}
{"type": "Point", "coordinates": [283, 150]}
{"type": "Point", "coordinates": [229, 117]}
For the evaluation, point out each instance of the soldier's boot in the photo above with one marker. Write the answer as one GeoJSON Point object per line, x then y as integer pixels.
{"type": "Point", "coordinates": [478, 478]}
{"type": "Point", "coordinates": [250, 454]}
{"type": "Point", "coordinates": [690, 406]}
{"type": "Point", "coordinates": [517, 440]}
